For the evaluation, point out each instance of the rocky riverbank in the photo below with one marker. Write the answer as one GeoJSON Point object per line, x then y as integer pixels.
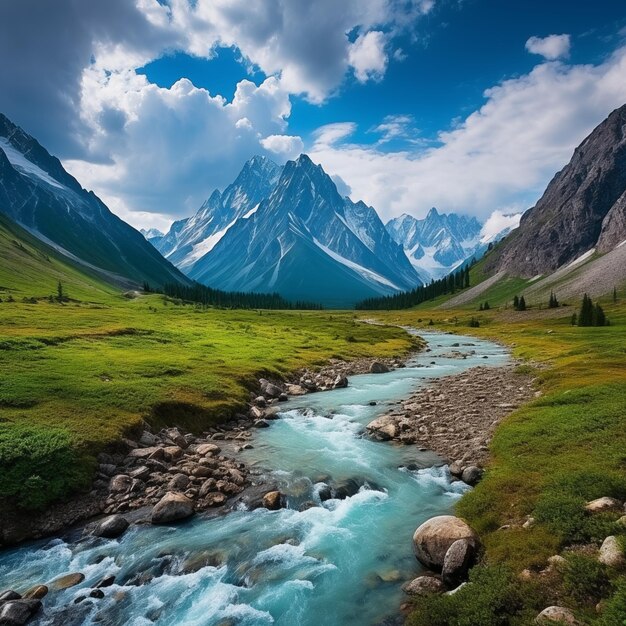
{"type": "Point", "coordinates": [205, 470]}
{"type": "Point", "coordinates": [455, 416]}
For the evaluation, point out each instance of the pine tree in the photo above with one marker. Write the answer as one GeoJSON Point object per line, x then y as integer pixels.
{"type": "Point", "coordinates": [467, 277]}
{"type": "Point", "coordinates": [614, 295]}
{"type": "Point", "coordinates": [585, 316]}
{"type": "Point", "coordinates": [522, 304]}
{"type": "Point", "coordinates": [486, 306]}
{"type": "Point", "coordinates": [574, 319]}
{"type": "Point", "coordinates": [553, 303]}
{"type": "Point", "coordinates": [59, 292]}
{"type": "Point", "coordinates": [480, 308]}
{"type": "Point", "coordinates": [516, 303]}
{"type": "Point", "coordinates": [599, 318]}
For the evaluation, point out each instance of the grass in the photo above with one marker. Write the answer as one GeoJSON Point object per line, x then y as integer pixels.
{"type": "Point", "coordinates": [552, 455]}
{"type": "Point", "coordinates": [76, 376]}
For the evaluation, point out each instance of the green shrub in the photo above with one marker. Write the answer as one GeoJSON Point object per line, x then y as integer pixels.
{"type": "Point", "coordinates": [585, 579]}
{"type": "Point", "coordinates": [40, 465]}
{"type": "Point", "coordinates": [614, 613]}
{"type": "Point", "coordinates": [493, 597]}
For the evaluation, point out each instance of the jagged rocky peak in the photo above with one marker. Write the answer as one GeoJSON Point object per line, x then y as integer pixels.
{"type": "Point", "coordinates": [583, 207]}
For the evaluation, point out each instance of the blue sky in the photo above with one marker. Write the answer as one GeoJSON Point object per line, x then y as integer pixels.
{"type": "Point", "coordinates": [455, 53]}
{"type": "Point", "coordinates": [467, 105]}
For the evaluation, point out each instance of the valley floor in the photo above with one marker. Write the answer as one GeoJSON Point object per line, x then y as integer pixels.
{"type": "Point", "coordinates": [77, 376]}
{"type": "Point", "coordinates": [548, 459]}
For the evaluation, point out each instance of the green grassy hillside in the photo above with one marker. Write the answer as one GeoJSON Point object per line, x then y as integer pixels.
{"type": "Point", "coordinates": [76, 375]}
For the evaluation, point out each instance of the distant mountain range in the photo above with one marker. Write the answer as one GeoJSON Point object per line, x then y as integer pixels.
{"type": "Point", "coordinates": [38, 194]}
{"type": "Point", "coordinates": [289, 230]}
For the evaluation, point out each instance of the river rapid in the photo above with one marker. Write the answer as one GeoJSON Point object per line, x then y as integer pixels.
{"type": "Point", "coordinates": [339, 563]}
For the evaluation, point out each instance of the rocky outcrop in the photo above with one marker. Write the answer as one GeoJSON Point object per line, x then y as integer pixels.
{"type": "Point", "coordinates": [582, 207]}
{"type": "Point", "coordinates": [611, 553]}
{"type": "Point", "coordinates": [434, 538]}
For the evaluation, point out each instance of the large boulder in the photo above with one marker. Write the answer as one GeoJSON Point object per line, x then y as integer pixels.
{"type": "Point", "coordinates": [120, 483]}
{"type": "Point", "coordinates": [611, 553]}
{"type": "Point", "coordinates": [171, 508]}
{"type": "Point", "coordinates": [18, 612]}
{"type": "Point", "coordinates": [111, 527]}
{"type": "Point", "coordinates": [340, 382]}
{"type": "Point", "coordinates": [378, 368]}
{"type": "Point", "coordinates": [457, 561]}
{"type": "Point", "coordinates": [423, 586]}
{"type": "Point", "coordinates": [208, 449]}
{"type": "Point", "coordinates": [432, 540]}
{"type": "Point", "coordinates": [558, 614]}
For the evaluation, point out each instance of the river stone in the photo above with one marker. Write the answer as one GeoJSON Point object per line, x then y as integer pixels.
{"type": "Point", "coordinates": [147, 439]}
{"type": "Point", "coordinates": [205, 449]}
{"type": "Point", "coordinates": [120, 483]}
{"type": "Point", "coordinates": [325, 493]}
{"type": "Point", "coordinates": [171, 507]}
{"type": "Point", "coordinates": [423, 586]}
{"type": "Point", "coordinates": [261, 424]}
{"type": "Point", "coordinates": [111, 527]}
{"type": "Point", "coordinates": [18, 612]}
{"type": "Point", "coordinates": [154, 452]}
{"type": "Point", "coordinates": [341, 382]}
{"type": "Point", "coordinates": [214, 498]}
{"type": "Point", "coordinates": [456, 469]}
{"type": "Point", "coordinates": [107, 581]}
{"type": "Point", "coordinates": [67, 581]}
{"type": "Point", "coordinates": [611, 553]}
{"type": "Point", "coordinates": [272, 500]}
{"type": "Point", "coordinates": [179, 482]}
{"type": "Point", "coordinates": [177, 438]}
{"type": "Point", "coordinates": [432, 540]}
{"type": "Point", "coordinates": [383, 428]}
{"type": "Point", "coordinates": [173, 453]}
{"type": "Point", "coordinates": [472, 475]}
{"type": "Point", "coordinates": [601, 505]}
{"type": "Point", "coordinates": [378, 368]}
{"type": "Point", "coordinates": [36, 593]}
{"type": "Point", "coordinates": [459, 558]}
{"type": "Point", "coordinates": [346, 488]}
{"type": "Point", "coordinates": [9, 594]}
{"type": "Point", "coordinates": [557, 614]}
{"type": "Point", "coordinates": [270, 389]}
{"type": "Point", "coordinates": [256, 413]}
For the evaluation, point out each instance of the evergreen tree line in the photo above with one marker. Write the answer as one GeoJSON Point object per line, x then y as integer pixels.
{"type": "Point", "coordinates": [207, 296]}
{"type": "Point", "coordinates": [447, 285]}
{"type": "Point", "coordinates": [519, 303]}
{"type": "Point", "coordinates": [590, 314]}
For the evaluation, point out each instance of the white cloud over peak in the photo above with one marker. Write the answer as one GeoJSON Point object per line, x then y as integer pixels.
{"type": "Point", "coordinates": [287, 146]}
{"type": "Point", "coordinates": [551, 47]}
{"type": "Point", "coordinates": [502, 155]}
{"type": "Point", "coordinates": [368, 57]}
{"type": "Point", "coordinates": [496, 223]}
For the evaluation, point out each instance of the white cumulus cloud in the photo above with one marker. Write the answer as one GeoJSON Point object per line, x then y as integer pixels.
{"type": "Point", "coordinates": [368, 57]}
{"type": "Point", "coordinates": [287, 146]}
{"type": "Point", "coordinates": [551, 47]}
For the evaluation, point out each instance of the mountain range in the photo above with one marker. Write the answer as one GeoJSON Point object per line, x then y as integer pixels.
{"type": "Point", "coordinates": [289, 230]}
{"type": "Point", "coordinates": [38, 194]}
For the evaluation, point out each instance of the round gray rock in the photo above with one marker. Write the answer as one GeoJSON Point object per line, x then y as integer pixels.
{"type": "Point", "coordinates": [558, 614]}
{"type": "Point", "coordinates": [432, 540]}
{"type": "Point", "coordinates": [472, 475]}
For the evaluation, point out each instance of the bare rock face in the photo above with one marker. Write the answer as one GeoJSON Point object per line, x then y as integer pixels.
{"type": "Point", "coordinates": [171, 508]}
{"type": "Point", "coordinates": [433, 539]}
{"type": "Point", "coordinates": [582, 207]}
